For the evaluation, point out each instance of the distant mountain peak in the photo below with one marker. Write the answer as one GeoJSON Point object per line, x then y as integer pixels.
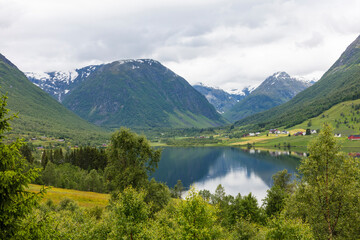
{"type": "Point", "coordinates": [145, 61]}
{"type": "Point", "coordinates": [281, 75]}
{"type": "Point", "coordinates": [276, 89]}
{"type": "Point", "coordinates": [220, 99]}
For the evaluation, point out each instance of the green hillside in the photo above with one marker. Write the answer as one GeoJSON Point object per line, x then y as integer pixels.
{"type": "Point", "coordinates": [140, 93]}
{"type": "Point", "coordinates": [344, 117]}
{"type": "Point", "coordinates": [39, 114]}
{"type": "Point", "coordinates": [340, 83]}
{"type": "Point", "coordinates": [275, 90]}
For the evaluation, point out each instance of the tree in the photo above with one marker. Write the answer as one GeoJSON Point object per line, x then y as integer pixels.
{"type": "Point", "coordinates": [309, 124]}
{"type": "Point", "coordinates": [130, 160]}
{"type": "Point", "coordinates": [178, 189]}
{"type": "Point", "coordinates": [58, 156]}
{"type": "Point", "coordinates": [197, 219]}
{"type": "Point", "coordinates": [205, 194]}
{"type": "Point", "coordinates": [158, 195]}
{"type": "Point", "coordinates": [131, 214]}
{"type": "Point", "coordinates": [15, 201]}
{"type": "Point", "coordinates": [281, 228]}
{"type": "Point", "coordinates": [328, 195]}
{"type": "Point", "coordinates": [44, 159]}
{"type": "Point", "coordinates": [219, 195]}
{"type": "Point", "coordinates": [26, 153]}
{"type": "Point", "coordinates": [274, 201]}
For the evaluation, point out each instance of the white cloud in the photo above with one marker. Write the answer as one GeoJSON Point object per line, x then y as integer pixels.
{"type": "Point", "coordinates": [226, 43]}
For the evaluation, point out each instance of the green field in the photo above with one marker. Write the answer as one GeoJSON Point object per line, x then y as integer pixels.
{"type": "Point", "coordinates": [84, 199]}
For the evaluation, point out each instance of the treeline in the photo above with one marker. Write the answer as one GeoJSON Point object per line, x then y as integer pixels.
{"type": "Point", "coordinates": [80, 169]}
{"type": "Point", "coordinates": [192, 141]}
{"type": "Point", "coordinates": [83, 157]}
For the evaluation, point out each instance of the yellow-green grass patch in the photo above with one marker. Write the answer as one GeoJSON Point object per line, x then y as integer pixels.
{"type": "Point", "coordinates": [84, 199]}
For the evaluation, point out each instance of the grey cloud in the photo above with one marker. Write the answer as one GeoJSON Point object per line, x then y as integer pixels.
{"type": "Point", "coordinates": [315, 40]}
{"type": "Point", "coordinates": [225, 42]}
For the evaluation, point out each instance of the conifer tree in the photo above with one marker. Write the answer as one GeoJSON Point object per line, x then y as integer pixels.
{"type": "Point", "coordinates": [15, 200]}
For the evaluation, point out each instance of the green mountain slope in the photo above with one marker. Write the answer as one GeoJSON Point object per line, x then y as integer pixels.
{"type": "Point", "coordinates": [340, 83]}
{"type": "Point", "coordinates": [40, 114]}
{"type": "Point", "coordinates": [344, 118]}
{"type": "Point", "coordinates": [140, 93]}
{"type": "Point", "coordinates": [275, 90]}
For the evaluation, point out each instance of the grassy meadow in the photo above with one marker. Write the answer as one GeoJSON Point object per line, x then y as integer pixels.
{"type": "Point", "coordinates": [84, 199]}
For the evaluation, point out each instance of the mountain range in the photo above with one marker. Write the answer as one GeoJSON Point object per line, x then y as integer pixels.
{"type": "Point", "coordinates": [273, 91]}
{"type": "Point", "coordinates": [340, 83]}
{"type": "Point", "coordinates": [144, 93]}
{"type": "Point", "coordinates": [133, 93]}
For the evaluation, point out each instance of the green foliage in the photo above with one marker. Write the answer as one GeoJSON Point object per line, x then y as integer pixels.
{"type": "Point", "coordinates": [25, 151]}
{"type": "Point", "coordinates": [15, 201]}
{"type": "Point", "coordinates": [178, 189]}
{"type": "Point", "coordinates": [285, 229]}
{"type": "Point", "coordinates": [130, 161]}
{"type": "Point", "coordinates": [130, 214]}
{"type": "Point", "coordinates": [197, 219]}
{"type": "Point", "coordinates": [328, 194]}
{"type": "Point", "coordinates": [87, 158]}
{"type": "Point", "coordinates": [274, 201]}
{"type": "Point", "coordinates": [72, 177]}
{"type": "Point", "coordinates": [244, 230]}
{"type": "Point", "coordinates": [309, 124]}
{"type": "Point", "coordinates": [197, 141]}
{"type": "Point", "coordinates": [233, 209]}
{"type": "Point", "coordinates": [157, 195]}
{"type": "Point", "coordinates": [342, 116]}
{"type": "Point", "coordinates": [205, 194]}
{"type": "Point", "coordinates": [219, 196]}
{"type": "Point", "coordinates": [68, 204]}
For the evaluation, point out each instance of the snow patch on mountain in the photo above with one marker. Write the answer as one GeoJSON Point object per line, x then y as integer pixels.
{"type": "Point", "coordinates": [37, 75]}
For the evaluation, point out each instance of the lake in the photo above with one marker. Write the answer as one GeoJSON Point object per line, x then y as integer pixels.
{"type": "Point", "coordinates": [239, 171]}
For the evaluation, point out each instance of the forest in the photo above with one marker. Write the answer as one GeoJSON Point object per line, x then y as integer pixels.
{"type": "Point", "coordinates": [321, 204]}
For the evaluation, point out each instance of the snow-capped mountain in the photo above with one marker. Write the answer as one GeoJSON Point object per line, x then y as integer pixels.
{"type": "Point", "coordinates": [273, 91]}
{"type": "Point", "coordinates": [220, 99]}
{"type": "Point", "coordinates": [133, 93]}
{"type": "Point", "coordinates": [58, 83]}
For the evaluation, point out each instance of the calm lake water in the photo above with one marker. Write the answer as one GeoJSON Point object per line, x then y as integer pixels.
{"type": "Point", "coordinates": [239, 171]}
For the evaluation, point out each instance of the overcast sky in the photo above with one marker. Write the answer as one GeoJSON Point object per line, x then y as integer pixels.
{"type": "Point", "coordinates": [224, 43]}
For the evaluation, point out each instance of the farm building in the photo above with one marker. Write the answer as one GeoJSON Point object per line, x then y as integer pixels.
{"type": "Point", "coordinates": [354, 137]}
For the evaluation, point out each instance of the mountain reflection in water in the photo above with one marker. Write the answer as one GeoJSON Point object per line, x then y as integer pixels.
{"type": "Point", "coordinates": [239, 171]}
